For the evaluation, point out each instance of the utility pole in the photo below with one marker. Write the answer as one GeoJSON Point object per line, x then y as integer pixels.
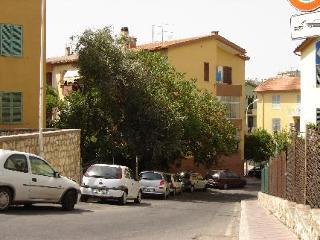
{"type": "Point", "coordinates": [42, 32]}
{"type": "Point", "coordinates": [137, 167]}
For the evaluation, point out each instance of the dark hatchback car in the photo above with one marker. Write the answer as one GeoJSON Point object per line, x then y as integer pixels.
{"type": "Point", "coordinates": [224, 179]}
{"type": "Point", "coordinates": [255, 172]}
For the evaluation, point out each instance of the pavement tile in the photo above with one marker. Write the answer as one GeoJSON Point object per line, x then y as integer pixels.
{"type": "Point", "coordinates": [257, 223]}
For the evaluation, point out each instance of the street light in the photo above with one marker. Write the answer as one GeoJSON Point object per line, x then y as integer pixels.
{"type": "Point", "coordinates": [248, 110]}
{"type": "Point", "coordinates": [247, 126]}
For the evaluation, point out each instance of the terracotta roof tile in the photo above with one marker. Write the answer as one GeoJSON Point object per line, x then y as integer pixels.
{"type": "Point", "coordinates": [163, 45]}
{"type": "Point", "coordinates": [63, 59]}
{"type": "Point", "coordinates": [283, 83]}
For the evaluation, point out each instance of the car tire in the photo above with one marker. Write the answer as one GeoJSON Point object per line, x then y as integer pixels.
{"type": "Point", "coordinates": [69, 200]}
{"type": "Point", "coordinates": [139, 197]}
{"type": "Point", "coordinates": [84, 198]}
{"type": "Point", "coordinates": [225, 186]}
{"type": "Point", "coordinates": [192, 189]}
{"type": "Point", "coordinates": [5, 198]}
{"type": "Point", "coordinates": [123, 199]}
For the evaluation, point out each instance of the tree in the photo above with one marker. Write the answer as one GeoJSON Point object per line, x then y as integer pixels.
{"type": "Point", "coordinates": [259, 146]}
{"type": "Point", "coordinates": [52, 104]}
{"type": "Point", "coordinates": [134, 103]}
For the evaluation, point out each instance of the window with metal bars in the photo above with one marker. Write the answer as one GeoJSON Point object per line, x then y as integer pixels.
{"type": "Point", "coordinates": [11, 107]}
{"type": "Point", "coordinates": [11, 40]}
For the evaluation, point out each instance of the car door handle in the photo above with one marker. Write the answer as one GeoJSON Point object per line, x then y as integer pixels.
{"type": "Point", "coordinates": [34, 180]}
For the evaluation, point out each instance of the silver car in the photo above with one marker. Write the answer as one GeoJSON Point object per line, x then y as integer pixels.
{"type": "Point", "coordinates": [154, 183]}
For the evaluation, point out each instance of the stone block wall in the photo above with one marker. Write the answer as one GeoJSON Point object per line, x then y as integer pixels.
{"type": "Point", "coordinates": [302, 219]}
{"type": "Point", "coordinates": [61, 149]}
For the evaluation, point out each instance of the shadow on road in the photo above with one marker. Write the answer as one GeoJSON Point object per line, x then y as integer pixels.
{"type": "Point", "coordinates": [42, 210]}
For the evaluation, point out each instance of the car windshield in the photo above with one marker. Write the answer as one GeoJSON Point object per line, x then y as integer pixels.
{"type": "Point", "coordinates": [106, 172]}
{"type": "Point", "coordinates": [151, 176]}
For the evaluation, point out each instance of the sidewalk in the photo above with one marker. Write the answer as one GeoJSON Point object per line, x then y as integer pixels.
{"type": "Point", "coordinates": [256, 223]}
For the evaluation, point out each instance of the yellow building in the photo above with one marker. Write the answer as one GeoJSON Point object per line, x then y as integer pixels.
{"type": "Point", "coordinates": [219, 67]}
{"type": "Point", "coordinates": [279, 104]}
{"type": "Point", "coordinates": [20, 44]}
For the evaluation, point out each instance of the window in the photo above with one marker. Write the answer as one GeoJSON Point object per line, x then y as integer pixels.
{"type": "Point", "coordinates": [40, 167]}
{"type": "Point", "coordinates": [11, 40]}
{"type": "Point", "coordinates": [276, 101]}
{"type": "Point", "coordinates": [232, 104]}
{"type": "Point", "coordinates": [206, 71]}
{"type": "Point", "coordinates": [318, 116]}
{"type": "Point", "coordinates": [107, 172]}
{"type": "Point", "coordinates": [10, 107]}
{"type": "Point", "coordinates": [17, 162]}
{"type": "Point", "coordinates": [227, 75]}
{"type": "Point", "coordinates": [49, 78]}
{"type": "Point", "coordinates": [276, 124]}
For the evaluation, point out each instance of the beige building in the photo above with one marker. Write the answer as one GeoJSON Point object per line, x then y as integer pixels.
{"type": "Point", "coordinates": [279, 104]}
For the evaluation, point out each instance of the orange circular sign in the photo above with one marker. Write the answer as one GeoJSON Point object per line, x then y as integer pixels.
{"type": "Point", "coordinates": [306, 5]}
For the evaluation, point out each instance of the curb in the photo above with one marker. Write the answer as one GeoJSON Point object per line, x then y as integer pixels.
{"type": "Point", "coordinates": [243, 229]}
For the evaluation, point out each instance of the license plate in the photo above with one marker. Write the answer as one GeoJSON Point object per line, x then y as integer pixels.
{"type": "Point", "coordinates": [149, 190]}
{"type": "Point", "coordinates": [100, 191]}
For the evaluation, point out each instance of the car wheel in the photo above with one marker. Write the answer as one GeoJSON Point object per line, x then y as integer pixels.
{"type": "Point", "coordinates": [84, 198]}
{"type": "Point", "coordinates": [5, 198]}
{"type": "Point", "coordinates": [192, 189]}
{"type": "Point", "coordinates": [69, 200]}
{"type": "Point", "coordinates": [123, 199]}
{"type": "Point", "coordinates": [138, 199]}
{"type": "Point", "coordinates": [225, 186]}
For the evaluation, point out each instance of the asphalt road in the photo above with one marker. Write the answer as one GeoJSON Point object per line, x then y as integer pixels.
{"type": "Point", "coordinates": [214, 214]}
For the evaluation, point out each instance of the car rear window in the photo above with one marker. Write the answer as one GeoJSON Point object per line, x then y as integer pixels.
{"type": "Point", "coordinates": [151, 176]}
{"type": "Point", "coordinates": [106, 172]}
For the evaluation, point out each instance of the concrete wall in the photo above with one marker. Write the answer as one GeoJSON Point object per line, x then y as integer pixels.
{"type": "Point", "coordinates": [310, 99]}
{"type": "Point", "coordinates": [21, 74]}
{"type": "Point", "coordinates": [303, 220]}
{"type": "Point", "coordinates": [61, 149]}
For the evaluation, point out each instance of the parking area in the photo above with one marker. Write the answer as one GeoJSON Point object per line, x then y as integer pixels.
{"type": "Point", "coordinates": [213, 214]}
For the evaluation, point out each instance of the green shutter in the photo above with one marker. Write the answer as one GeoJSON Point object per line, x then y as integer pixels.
{"type": "Point", "coordinates": [6, 39]}
{"type": "Point", "coordinates": [10, 107]}
{"type": "Point", "coordinates": [16, 40]}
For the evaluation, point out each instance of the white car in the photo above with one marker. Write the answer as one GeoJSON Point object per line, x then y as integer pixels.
{"type": "Point", "coordinates": [193, 181]}
{"type": "Point", "coordinates": [110, 182]}
{"type": "Point", "coordinates": [26, 179]}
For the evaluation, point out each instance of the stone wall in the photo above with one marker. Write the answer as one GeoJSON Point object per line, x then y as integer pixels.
{"type": "Point", "coordinates": [61, 149]}
{"type": "Point", "coordinates": [302, 219]}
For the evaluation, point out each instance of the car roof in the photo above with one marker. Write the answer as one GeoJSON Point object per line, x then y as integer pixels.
{"type": "Point", "coordinates": [153, 172]}
{"type": "Point", "coordinates": [4, 153]}
{"type": "Point", "coordinates": [109, 165]}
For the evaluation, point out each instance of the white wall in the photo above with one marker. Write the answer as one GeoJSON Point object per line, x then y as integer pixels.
{"type": "Point", "coordinates": [310, 94]}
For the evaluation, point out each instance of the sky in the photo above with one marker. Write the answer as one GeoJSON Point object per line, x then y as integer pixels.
{"type": "Point", "coordinates": [262, 27]}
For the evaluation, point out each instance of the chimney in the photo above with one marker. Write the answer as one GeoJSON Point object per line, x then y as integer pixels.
{"type": "Point", "coordinates": [133, 42]}
{"type": "Point", "coordinates": [215, 33]}
{"type": "Point", "coordinates": [125, 31]}
{"type": "Point", "coordinates": [67, 51]}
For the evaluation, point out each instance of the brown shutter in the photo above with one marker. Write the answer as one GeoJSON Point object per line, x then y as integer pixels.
{"type": "Point", "coordinates": [227, 75]}
{"type": "Point", "coordinates": [49, 78]}
{"type": "Point", "coordinates": [206, 71]}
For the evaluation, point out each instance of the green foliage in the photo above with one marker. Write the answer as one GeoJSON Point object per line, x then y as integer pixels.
{"type": "Point", "coordinates": [282, 140]}
{"type": "Point", "coordinates": [52, 102]}
{"type": "Point", "coordinates": [259, 146]}
{"type": "Point", "coordinates": [134, 103]}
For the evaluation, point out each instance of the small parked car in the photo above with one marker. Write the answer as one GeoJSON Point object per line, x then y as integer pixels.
{"type": "Point", "coordinates": [154, 183]}
{"type": "Point", "coordinates": [193, 181]}
{"type": "Point", "coordinates": [26, 179]}
{"type": "Point", "coordinates": [175, 183]}
{"type": "Point", "coordinates": [105, 181]}
{"type": "Point", "coordinates": [224, 179]}
{"type": "Point", "coordinates": [255, 172]}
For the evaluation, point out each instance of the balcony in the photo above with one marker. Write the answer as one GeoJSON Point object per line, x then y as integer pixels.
{"type": "Point", "coordinates": [229, 90]}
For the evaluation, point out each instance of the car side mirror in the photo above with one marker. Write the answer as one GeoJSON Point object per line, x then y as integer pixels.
{"type": "Point", "coordinates": [56, 175]}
